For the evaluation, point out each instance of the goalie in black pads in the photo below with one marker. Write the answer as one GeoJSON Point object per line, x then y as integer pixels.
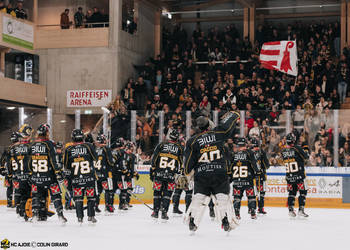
{"type": "Point", "coordinates": [206, 157]}
{"type": "Point", "coordinates": [294, 158]}
{"type": "Point", "coordinates": [79, 159]}
{"type": "Point", "coordinates": [263, 164]}
{"type": "Point", "coordinates": [244, 170]}
{"type": "Point", "coordinates": [166, 163]}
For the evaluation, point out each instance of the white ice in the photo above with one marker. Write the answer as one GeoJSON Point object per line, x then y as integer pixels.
{"type": "Point", "coordinates": [134, 229]}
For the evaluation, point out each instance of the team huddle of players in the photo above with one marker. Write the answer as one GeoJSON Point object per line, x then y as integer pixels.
{"type": "Point", "coordinates": [34, 167]}
{"type": "Point", "coordinates": [214, 169]}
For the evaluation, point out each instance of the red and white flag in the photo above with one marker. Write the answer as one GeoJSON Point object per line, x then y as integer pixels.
{"type": "Point", "coordinates": [281, 56]}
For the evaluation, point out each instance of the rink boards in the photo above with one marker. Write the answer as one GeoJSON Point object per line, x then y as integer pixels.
{"type": "Point", "coordinates": [328, 187]}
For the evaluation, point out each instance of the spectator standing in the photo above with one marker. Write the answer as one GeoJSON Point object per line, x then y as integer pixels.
{"type": "Point", "coordinates": [79, 18]}
{"type": "Point", "coordinates": [97, 18]}
{"type": "Point", "coordinates": [88, 19]}
{"type": "Point", "coordinates": [65, 23]}
{"type": "Point", "coordinates": [343, 78]}
{"type": "Point", "coordinates": [3, 7]}
{"type": "Point", "coordinates": [11, 10]}
{"type": "Point", "coordinates": [20, 12]}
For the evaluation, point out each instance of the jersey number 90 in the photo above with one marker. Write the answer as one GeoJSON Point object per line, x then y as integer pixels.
{"type": "Point", "coordinates": [291, 167]}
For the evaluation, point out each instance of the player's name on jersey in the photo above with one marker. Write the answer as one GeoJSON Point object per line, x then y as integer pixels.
{"type": "Point", "coordinates": [168, 155]}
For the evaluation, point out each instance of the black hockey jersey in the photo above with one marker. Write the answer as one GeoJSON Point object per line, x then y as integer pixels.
{"type": "Point", "coordinates": [205, 152]}
{"type": "Point", "coordinates": [19, 154]}
{"type": "Point", "coordinates": [125, 162]}
{"type": "Point", "coordinates": [167, 161]}
{"type": "Point", "coordinates": [294, 158]}
{"type": "Point", "coordinates": [105, 162]}
{"type": "Point", "coordinates": [243, 168]}
{"type": "Point", "coordinates": [42, 162]}
{"type": "Point", "coordinates": [262, 162]}
{"type": "Point", "coordinates": [79, 160]}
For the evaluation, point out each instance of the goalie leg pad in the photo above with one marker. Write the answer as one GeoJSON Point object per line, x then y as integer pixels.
{"type": "Point", "coordinates": [223, 208]}
{"type": "Point", "coordinates": [197, 207]}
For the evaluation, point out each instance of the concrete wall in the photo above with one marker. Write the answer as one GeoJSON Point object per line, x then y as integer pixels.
{"type": "Point", "coordinates": [95, 68]}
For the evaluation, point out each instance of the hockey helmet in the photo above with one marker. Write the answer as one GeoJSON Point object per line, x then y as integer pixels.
{"type": "Point", "coordinates": [43, 129]}
{"type": "Point", "coordinates": [89, 138]}
{"type": "Point", "coordinates": [202, 122]}
{"type": "Point", "coordinates": [25, 131]}
{"type": "Point", "coordinates": [174, 135]}
{"type": "Point", "coordinates": [254, 142]}
{"type": "Point", "coordinates": [77, 135]}
{"type": "Point", "coordinates": [290, 138]}
{"type": "Point", "coordinates": [129, 146]}
{"type": "Point", "coordinates": [101, 138]}
{"type": "Point", "coordinates": [59, 144]}
{"type": "Point", "coordinates": [118, 143]}
{"type": "Point", "coordinates": [241, 142]}
{"type": "Point", "coordinates": [14, 137]}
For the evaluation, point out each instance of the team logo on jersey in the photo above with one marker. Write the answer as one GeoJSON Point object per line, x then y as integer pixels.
{"type": "Point", "coordinates": [5, 244]}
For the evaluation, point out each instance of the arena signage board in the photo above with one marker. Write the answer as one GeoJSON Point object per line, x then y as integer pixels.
{"type": "Point", "coordinates": [88, 98]}
{"type": "Point", "coordinates": [17, 33]}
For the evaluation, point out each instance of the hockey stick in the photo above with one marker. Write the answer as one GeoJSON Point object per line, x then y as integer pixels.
{"type": "Point", "coordinates": [137, 198]}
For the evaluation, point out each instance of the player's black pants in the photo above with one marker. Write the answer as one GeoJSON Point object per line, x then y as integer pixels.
{"type": "Point", "coordinates": [78, 194]}
{"type": "Point", "coordinates": [39, 194]}
{"type": "Point", "coordinates": [123, 183]}
{"type": "Point", "coordinates": [162, 191]}
{"type": "Point", "coordinates": [211, 184]}
{"type": "Point", "coordinates": [9, 191]}
{"type": "Point", "coordinates": [260, 185]}
{"type": "Point", "coordinates": [293, 188]}
{"type": "Point", "coordinates": [102, 185]}
{"type": "Point", "coordinates": [22, 194]}
{"type": "Point", "coordinates": [177, 195]}
{"type": "Point", "coordinates": [238, 194]}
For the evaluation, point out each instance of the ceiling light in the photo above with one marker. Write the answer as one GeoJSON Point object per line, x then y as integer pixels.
{"type": "Point", "coordinates": [10, 108]}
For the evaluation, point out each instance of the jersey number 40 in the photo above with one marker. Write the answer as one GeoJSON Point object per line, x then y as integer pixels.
{"type": "Point", "coordinates": [210, 156]}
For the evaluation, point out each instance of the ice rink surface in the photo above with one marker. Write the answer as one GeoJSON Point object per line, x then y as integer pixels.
{"type": "Point", "coordinates": [324, 229]}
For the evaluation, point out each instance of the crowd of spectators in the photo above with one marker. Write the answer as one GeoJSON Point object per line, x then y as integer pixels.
{"type": "Point", "coordinates": [14, 10]}
{"type": "Point", "coordinates": [174, 83]}
{"type": "Point", "coordinates": [94, 18]}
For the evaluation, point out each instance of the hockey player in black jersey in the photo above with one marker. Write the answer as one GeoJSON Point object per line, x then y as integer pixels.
{"type": "Point", "coordinates": [6, 171]}
{"type": "Point", "coordinates": [20, 171]}
{"type": "Point", "coordinates": [117, 151]}
{"type": "Point", "coordinates": [244, 170]}
{"type": "Point", "coordinates": [294, 158]}
{"type": "Point", "coordinates": [263, 164]}
{"type": "Point", "coordinates": [79, 158]}
{"type": "Point", "coordinates": [206, 158]}
{"type": "Point", "coordinates": [45, 175]}
{"type": "Point", "coordinates": [133, 173]}
{"type": "Point", "coordinates": [103, 167]}
{"type": "Point", "coordinates": [125, 161]}
{"type": "Point", "coordinates": [165, 165]}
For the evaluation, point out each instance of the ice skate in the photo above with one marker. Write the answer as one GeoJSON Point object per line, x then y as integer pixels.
{"type": "Point", "coordinates": [192, 226]}
{"type": "Point", "coordinates": [301, 213]}
{"type": "Point", "coordinates": [155, 215]}
{"type": "Point", "coordinates": [177, 211]}
{"type": "Point", "coordinates": [61, 218]}
{"type": "Point", "coordinates": [253, 214]}
{"type": "Point", "coordinates": [97, 210]}
{"type": "Point", "coordinates": [92, 219]}
{"type": "Point", "coordinates": [292, 213]}
{"type": "Point", "coordinates": [164, 217]}
{"type": "Point", "coordinates": [261, 211]}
